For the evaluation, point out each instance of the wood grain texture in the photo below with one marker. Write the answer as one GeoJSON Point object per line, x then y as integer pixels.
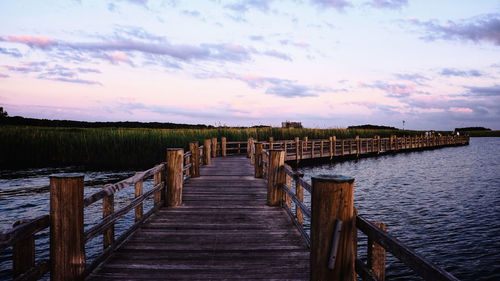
{"type": "Point", "coordinates": [66, 228]}
{"type": "Point", "coordinates": [274, 192]}
{"type": "Point", "coordinates": [223, 231]}
{"type": "Point", "coordinates": [332, 198]}
{"type": "Point", "coordinates": [175, 164]}
{"type": "Point", "coordinates": [376, 255]}
{"type": "Point", "coordinates": [207, 145]}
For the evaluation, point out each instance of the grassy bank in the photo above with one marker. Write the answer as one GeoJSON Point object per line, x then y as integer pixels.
{"type": "Point", "coordinates": [121, 148]}
{"type": "Point", "coordinates": [481, 134]}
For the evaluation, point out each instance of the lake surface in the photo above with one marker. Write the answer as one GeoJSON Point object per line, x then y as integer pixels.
{"type": "Point", "coordinates": [443, 203]}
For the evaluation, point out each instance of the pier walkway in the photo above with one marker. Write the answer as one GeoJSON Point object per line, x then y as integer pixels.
{"type": "Point", "coordinates": [223, 230]}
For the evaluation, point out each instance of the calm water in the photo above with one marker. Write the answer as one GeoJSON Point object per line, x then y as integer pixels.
{"type": "Point", "coordinates": [444, 203]}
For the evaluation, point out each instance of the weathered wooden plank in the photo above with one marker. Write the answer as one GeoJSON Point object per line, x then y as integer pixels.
{"type": "Point", "coordinates": [223, 230]}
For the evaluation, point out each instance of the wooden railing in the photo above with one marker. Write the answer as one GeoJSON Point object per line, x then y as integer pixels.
{"type": "Point", "coordinates": [332, 147]}
{"type": "Point", "coordinates": [334, 225]}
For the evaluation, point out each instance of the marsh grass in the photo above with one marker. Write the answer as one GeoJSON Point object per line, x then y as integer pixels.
{"type": "Point", "coordinates": [127, 148]}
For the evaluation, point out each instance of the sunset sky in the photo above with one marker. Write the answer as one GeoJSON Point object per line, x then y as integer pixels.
{"type": "Point", "coordinates": [327, 63]}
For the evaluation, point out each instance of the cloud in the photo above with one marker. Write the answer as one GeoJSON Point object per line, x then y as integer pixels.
{"type": "Point", "coordinates": [482, 28]}
{"type": "Point", "coordinates": [127, 40]}
{"type": "Point", "coordinates": [11, 52]}
{"type": "Point", "coordinates": [276, 54]}
{"type": "Point", "coordinates": [491, 91]}
{"type": "Point", "coordinates": [41, 42]}
{"type": "Point", "coordinates": [4, 75]}
{"type": "Point", "coordinates": [54, 73]}
{"type": "Point", "coordinates": [73, 80]}
{"type": "Point", "coordinates": [397, 90]}
{"type": "Point", "coordinates": [191, 13]}
{"type": "Point", "coordinates": [460, 73]}
{"type": "Point", "coordinates": [388, 4]}
{"type": "Point", "coordinates": [245, 5]}
{"type": "Point", "coordinates": [288, 89]}
{"type": "Point", "coordinates": [274, 86]}
{"type": "Point", "coordinates": [27, 67]}
{"type": "Point", "coordinates": [339, 5]}
{"type": "Point", "coordinates": [413, 77]}
{"type": "Point", "coordinates": [88, 70]}
{"type": "Point", "coordinates": [256, 37]}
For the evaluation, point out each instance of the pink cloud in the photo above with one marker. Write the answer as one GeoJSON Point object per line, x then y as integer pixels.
{"type": "Point", "coordinates": [461, 109]}
{"type": "Point", "coordinates": [117, 57]}
{"type": "Point", "coordinates": [32, 41]}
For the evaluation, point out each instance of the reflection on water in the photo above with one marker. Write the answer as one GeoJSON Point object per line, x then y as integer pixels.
{"type": "Point", "coordinates": [443, 203]}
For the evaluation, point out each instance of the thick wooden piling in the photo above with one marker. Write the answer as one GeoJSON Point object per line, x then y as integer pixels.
{"type": "Point", "coordinates": [214, 147]}
{"type": "Point", "coordinates": [175, 164]}
{"type": "Point", "coordinates": [223, 146]}
{"type": "Point", "coordinates": [194, 147]}
{"type": "Point", "coordinates": [276, 160]}
{"type": "Point", "coordinates": [206, 151]}
{"type": "Point", "coordinates": [258, 160]}
{"type": "Point", "coordinates": [67, 243]}
{"type": "Point", "coordinates": [331, 200]}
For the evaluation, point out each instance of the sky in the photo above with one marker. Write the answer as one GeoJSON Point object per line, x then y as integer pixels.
{"type": "Point", "coordinates": [325, 63]}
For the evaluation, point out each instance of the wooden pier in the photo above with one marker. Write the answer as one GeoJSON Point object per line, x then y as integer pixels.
{"type": "Point", "coordinates": [223, 230]}
{"type": "Point", "coordinates": [224, 210]}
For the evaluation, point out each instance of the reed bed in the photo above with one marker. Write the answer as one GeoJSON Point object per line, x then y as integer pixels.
{"type": "Point", "coordinates": [128, 148]}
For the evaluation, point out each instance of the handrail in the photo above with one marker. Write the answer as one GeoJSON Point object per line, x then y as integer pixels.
{"type": "Point", "coordinates": [110, 219]}
{"type": "Point", "coordinates": [23, 231]}
{"type": "Point", "coordinates": [414, 260]}
{"type": "Point", "coordinates": [110, 189]}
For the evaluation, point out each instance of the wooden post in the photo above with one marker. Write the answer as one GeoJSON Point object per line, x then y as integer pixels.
{"type": "Point", "coordinates": [175, 164]}
{"type": "Point", "coordinates": [206, 151]}
{"type": "Point", "coordinates": [321, 149]}
{"type": "Point", "coordinates": [23, 253]}
{"type": "Point", "coordinates": [288, 182]}
{"type": "Point", "coordinates": [343, 148]}
{"type": "Point", "coordinates": [249, 149]}
{"type": "Point", "coordinates": [108, 207]}
{"type": "Point", "coordinates": [366, 145]}
{"type": "Point", "coordinates": [252, 152]}
{"type": "Point", "coordinates": [271, 141]}
{"type": "Point", "coordinates": [332, 198]}
{"type": "Point", "coordinates": [358, 145]}
{"type": "Point", "coordinates": [67, 242]}
{"type": "Point", "coordinates": [379, 145]}
{"type": "Point", "coordinates": [276, 160]}
{"type": "Point", "coordinates": [297, 150]}
{"type": "Point", "coordinates": [304, 146]}
{"type": "Point", "coordinates": [330, 140]}
{"type": "Point", "coordinates": [299, 191]}
{"type": "Point", "coordinates": [376, 255]}
{"type": "Point", "coordinates": [194, 147]}
{"type": "Point", "coordinates": [137, 193]}
{"type": "Point", "coordinates": [258, 160]}
{"type": "Point", "coordinates": [334, 140]}
{"type": "Point", "coordinates": [157, 181]}
{"type": "Point", "coordinates": [223, 146]}
{"type": "Point", "coordinates": [214, 147]}
{"type": "Point", "coordinates": [313, 144]}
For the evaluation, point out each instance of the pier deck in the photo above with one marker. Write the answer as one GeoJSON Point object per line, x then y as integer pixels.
{"type": "Point", "coordinates": [223, 230]}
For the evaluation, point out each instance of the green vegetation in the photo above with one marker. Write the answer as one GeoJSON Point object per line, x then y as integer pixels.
{"type": "Point", "coordinates": [480, 133]}
{"type": "Point", "coordinates": [119, 148]}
